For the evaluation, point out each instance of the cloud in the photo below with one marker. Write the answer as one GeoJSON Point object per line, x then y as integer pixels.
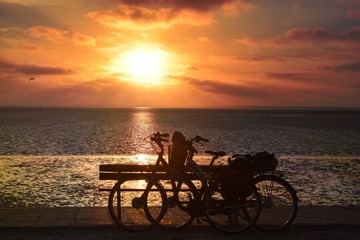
{"type": "Point", "coordinates": [351, 2]}
{"type": "Point", "coordinates": [148, 14]}
{"type": "Point", "coordinates": [259, 58]}
{"type": "Point", "coordinates": [7, 66]}
{"type": "Point", "coordinates": [18, 15]}
{"type": "Point", "coordinates": [351, 67]}
{"type": "Point", "coordinates": [83, 40]}
{"type": "Point", "coordinates": [54, 34]}
{"type": "Point", "coordinates": [354, 14]}
{"type": "Point", "coordinates": [320, 34]}
{"type": "Point", "coordinates": [199, 5]}
{"type": "Point", "coordinates": [135, 17]}
{"type": "Point", "coordinates": [222, 88]}
{"type": "Point", "coordinates": [39, 70]}
{"type": "Point", "coordinates": [285, 75]}
{"type": "Point", "coordinates": [29, 47]}
{"type": "Point", "coordinates": [47, 32]}
{"type": "Point", "coordinates": [305, 37]}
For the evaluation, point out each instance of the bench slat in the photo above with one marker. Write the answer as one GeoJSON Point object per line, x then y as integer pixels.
{"type": "Point", "coordinates": [129, 168]}
{"type": "Point", "coordinates": [141, 168]}
{"type": "Point", "coordinates": [125, 172]}
{"type": "Point", "coordinates": [139, 176]}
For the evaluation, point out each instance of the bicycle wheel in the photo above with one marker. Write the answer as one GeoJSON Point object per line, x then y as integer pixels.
{"type": "Point", "coordinates": [232, 216]}
{"type": "Point", "coordinates": [130, 204]}
{"type": "Point", "coordinates": [279, 203]}
{"type": "Point", "coordinates": [180, 202]}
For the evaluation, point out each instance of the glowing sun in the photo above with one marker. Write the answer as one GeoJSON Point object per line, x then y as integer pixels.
{"type": "Point", "coordinates": [144, 65]}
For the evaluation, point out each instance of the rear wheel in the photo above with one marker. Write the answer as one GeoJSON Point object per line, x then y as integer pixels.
{"type": "Point", "coordinates": [130, 204]}
{"type": "Point", "coordinates": [279, 203]}
{"type": "Point", "coordinates": [232, 216]}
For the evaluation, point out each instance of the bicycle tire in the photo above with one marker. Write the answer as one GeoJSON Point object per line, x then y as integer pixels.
{"type": "Point", "coordinates": [231, 216]}
{"type": "Point", "coordinates": [279, 203]}
{"type": "Point", "coordinates": [130, 204]}
{"type": "Point", "coordinates": [177, 215]}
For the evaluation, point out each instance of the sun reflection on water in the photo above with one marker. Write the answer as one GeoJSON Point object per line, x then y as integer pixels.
{"type": "Point", "coordinates": [144, 159]}
{"type": "Point", "coordinates": [142, 125]}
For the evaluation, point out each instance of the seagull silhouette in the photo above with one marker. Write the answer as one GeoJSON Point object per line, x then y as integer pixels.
{"type": "Point", "coordinates": [31, 79]}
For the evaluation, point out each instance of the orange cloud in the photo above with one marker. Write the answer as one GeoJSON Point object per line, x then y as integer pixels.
{"type": "Point", "coordinates": [149, 14]}
{"type": "Point", "coordinates": [83, 40]}
{"type": "Point", "coordinates": [130, 17]}
{"type": "Point", "coordinates": [28, 47]}
{"type": "Point", "coordinates": [200, 6]}
{"type": "Point", "coordinates": [47, 32]}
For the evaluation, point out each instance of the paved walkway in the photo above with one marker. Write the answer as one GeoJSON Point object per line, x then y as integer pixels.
{"type": "Point", "coordinates": [93, 223]}
{"type": "Point", "coordinates": [99, 216]}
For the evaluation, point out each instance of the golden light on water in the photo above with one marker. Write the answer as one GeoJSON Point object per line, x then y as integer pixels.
{"type": "Point", "coordinates": [143, 159]}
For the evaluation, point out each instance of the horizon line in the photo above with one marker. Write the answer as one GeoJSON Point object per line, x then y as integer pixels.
{"type": "Point", "coordinates": [180, 107]}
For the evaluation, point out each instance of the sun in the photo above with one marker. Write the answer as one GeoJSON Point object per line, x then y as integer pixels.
{"type": "Point", "coordinates": [143, 65]}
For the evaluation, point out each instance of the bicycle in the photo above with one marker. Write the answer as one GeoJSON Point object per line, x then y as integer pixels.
{"type": "Point", "coordinates": [144, 206]}
{"type": "Point", "coordinates": [278, 198]}
{"type": "Point", "coordinates": [232, 215]}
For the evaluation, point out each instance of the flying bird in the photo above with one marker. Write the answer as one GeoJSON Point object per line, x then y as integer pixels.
{"type": "Point", "coordinates": [31, 79]}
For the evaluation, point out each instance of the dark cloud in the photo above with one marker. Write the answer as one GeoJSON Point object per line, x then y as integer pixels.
{"type": "Point", "coordinates": [259, 58]}
{"type": "Point", "coordinates": [8, 66]}
{"type": "Point", "coordinates": [39, 70]}
{"type": "Point", "coordinates": [351, 67]}
{"type": "Point", "coordinates": [197, 5]}
{"type": "Point", "coordinates": [320, 34]}
{"type": "Point", "coordinates": [222, 88]}
{"type": "Point", "coordinates": [21, 16]}
{"type": "Point", "coordinates": [285, 75]}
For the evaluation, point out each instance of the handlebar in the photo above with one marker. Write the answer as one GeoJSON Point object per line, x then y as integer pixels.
{"type": "Point", "coordinates": [158, 134]}
{"type": "Point", "coordinates": [215, 155]}
{"type": "Point", "coordinates": [159, 137]}
{"type": "Point", "coordinates": [198, 139]}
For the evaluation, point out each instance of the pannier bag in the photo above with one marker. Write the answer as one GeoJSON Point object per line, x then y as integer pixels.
{"type": "Point", "coordinates": [177, 151]}
{"type": "Point", "coordinates": [236, 180]}
{"type": "Point", "coordinates": [235, 183]}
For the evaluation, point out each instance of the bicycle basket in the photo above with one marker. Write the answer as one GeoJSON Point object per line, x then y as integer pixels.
{"type": "Point", "coordinates": [263, 161]}
{"type": "Point", "coordinates": [259, 162]}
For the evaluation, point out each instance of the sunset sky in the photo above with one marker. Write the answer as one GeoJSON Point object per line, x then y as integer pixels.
{"type": "Point", "coordinates": [180, 53]}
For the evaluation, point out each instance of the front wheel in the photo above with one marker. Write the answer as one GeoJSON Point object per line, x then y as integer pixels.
{"type": "Point", "coordinates": [232, 215]}
{"type": "Point", "coordinates": [179, 201]}
{"type": "Point", "coordinates": [131, 203]}
{"type": "Point", "coordinates": [279, 203]}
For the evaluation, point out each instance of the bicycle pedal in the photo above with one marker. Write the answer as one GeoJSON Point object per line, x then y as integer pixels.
{"type": "Point", "coordinates": [198, 221]}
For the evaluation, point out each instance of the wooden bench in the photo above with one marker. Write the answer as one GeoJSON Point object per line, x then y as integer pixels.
{"type": "Point", "coordinates": [123, 172]}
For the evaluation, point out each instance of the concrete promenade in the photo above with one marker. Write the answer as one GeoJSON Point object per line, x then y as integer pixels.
{"type": "Point", "coordinates": [95, 223]}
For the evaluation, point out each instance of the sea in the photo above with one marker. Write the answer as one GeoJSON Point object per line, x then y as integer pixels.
{"type": "Point", "coordinates": [50, 157]}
